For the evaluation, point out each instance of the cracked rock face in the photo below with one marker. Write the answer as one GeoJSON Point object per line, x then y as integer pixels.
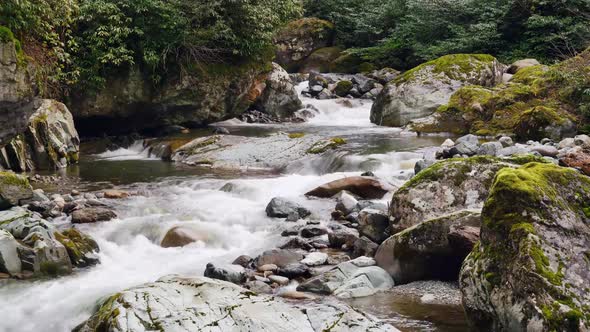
{"type": "Point", "coordinates": [203, 304]}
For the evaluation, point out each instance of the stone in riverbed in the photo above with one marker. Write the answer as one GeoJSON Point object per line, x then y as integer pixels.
{"type": "Point", "coordinates": [9, 260]}
{"type": "Point", "coordinates": [279, 257]}
{"type": "Point", "coordinates": [489, 148]}
{"type": "Point", "coordinates": [374, 224]}
{"type": "Point", "coordinates": [13, 189]}
{"type": "Point", "coordinates": [92, 215]}
{"type": "Point", "coordinates": [243, 260]}
{"type": "Point", "coordinates": [343, 237]}
{"type": "Point", "coordinates": [350, 279]}
{"type": "Point", "coordinates": [192, 304]}
{"type": "Point", "coordinates": [295, 270]}
{"type": "Point", "coordinates": [361, 186]}
{"type": "Point", "coordinates": [530, 270]}
{"type": "Point", "coordinates": [313, 231]}
{"type": "Point", "coordinates": [577, 158]}
{"type": "Point", "coordinates": [281, 281]}
{"type": "Point", "coordinates": [232, 273]}
{"type": "Point", "coordinates": [280, 207]}
{"type": "Point", "coordinates": [315, 259]}
{"type": "Point", "coordinates": [428, 250]}
{"type": "Point", "coordinates": [364, 247]}
{"type": "Point", "coordinates": [115, 194]}
{"type": "Point", "coordinates": [180, 236]}
{"type": "Point", "coordinates": [81, 248]}
{"type": "Point", "coordinates": [346, 202]}
{"type": "Point", "coordinates": [466, 145]}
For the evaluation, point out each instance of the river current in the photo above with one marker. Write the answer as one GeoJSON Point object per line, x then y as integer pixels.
{"type": "Point", "coordinates": [234, 222]}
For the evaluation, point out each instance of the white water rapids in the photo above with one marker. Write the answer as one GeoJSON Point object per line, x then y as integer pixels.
{"type": "Point", "coordinates": [234, 223]}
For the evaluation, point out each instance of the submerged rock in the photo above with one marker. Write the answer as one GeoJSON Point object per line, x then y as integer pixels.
{"type": "Point", "coordinates": [191, 304]}
{"type": "Point", "coordinates": [530, 270]}
{"type": "Point", "coordinates": [180, 236]}
{"type": "Point", "coordinates": [432, 249]}
{"type": "Point", "coordinates": [356, 278]}
{"type": "Point", "coordinates": [419, 92]}
{"type": "Point", "coordinates": [361, 186]}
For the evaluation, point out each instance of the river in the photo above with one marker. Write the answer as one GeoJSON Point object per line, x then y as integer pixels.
{"type": "Point", "coordinates": [235, 222]}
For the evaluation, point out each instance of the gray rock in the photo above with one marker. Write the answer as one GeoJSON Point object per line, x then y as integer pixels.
{"type": "Point", "coordinates": [243, 261]}
{"type": "Point", "coordinates": [297, 243]}
{"type": "Point", "coordinates": [232, 273]}
{"type": "Point", "coordinates": [346, 202]}
{"type": "Point", "coordinates": [343, 237]}
{"type": "Point", "coordinates": [282, 281]}
{"type": "Point", "coordinates": [364, 247]}
{"type": "Point", "coordinates": [374, 224]}
{"type": "Point", "coordinates": [258, 286]}
{"type": "Point", "coordinates": [506, 141]}
{"type": "Point", "coordinates": [421, 165]}
{"type": "Point", "coordinates": [315, 259]}
{"type": "Point", "coordinates": [279, 98]}
{"type": "Point", "coordinates": [349, 280]}
{"type": "Point", "coordinates": [295, 270]}
{"type": "Point", "coordinates": [514, 150]}
{"type": "Point", "coordinates": [467, 145]}
{"type": "Point", "coordinates": [582, 140]}
{"type": "Point", "coordinates": [92, 215]}
{"type": "Point", "coordinates": [13, 189]}
{"type": "Point", "coordinates": [566, 143]}
{"type": "Point", "coordinates": [490, 148]}
{"type": "Point", "coordinates": [9, 260]}
{"type": "Point", "coordinates": [221, 131]}
{"type": "Point", "coordinates": [281, 208]}
{"type": "Point", "coordinates": [313, 231]}
{"type": "Point", "coordinates": [278, 257]}
{"type": "Point", "coordinates": [192, 304]}
{"type": "Point", "coordinates": [545, 150]}
{"type": "Point", "coordinates": [428, 251]}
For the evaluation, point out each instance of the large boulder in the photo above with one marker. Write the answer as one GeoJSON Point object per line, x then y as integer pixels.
{"type": "Point", "coordinates": [81, 248]}
{"type": "Point", "coordinates": [203, 304]}
{"type": "Point", "coordinates": [17, 87]}
{"type": "Point", "coordinates": [364, 187]}
{"type": "Point", "coordinates": [299, 39]}
{"type": "Point", "coordinates": [446, 187]}
{"type": "Point", "coordinates": [420, 91]}
{"type": "Point", "coordinates": [357, 278]}
{"type": "Point", "coordinates": [49, 142]}
{"type": "Point", "coordinates": [280, 207]}
{"type": "Point", "coordinates": [13, 189]}
{"type": "Point", "coordinates": [92, 214]}
{"type": "Point", "coordinates": [9, 260]}
{"type": "Point", "coordinates": [433, 249]}
{"type": "Point", "coordinates": [279, 98]}
{"type": "Point", "coordinates": [530, 271]}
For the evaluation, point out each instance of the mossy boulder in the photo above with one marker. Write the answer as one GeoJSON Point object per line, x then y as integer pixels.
{"type": "Point", "coordinates": [348, 63]}
{"type": "Point", "coordinates": [324, 145]}
{"type": "Point", "coordinates": [321, 60]}
{"type": "Point", "coordinates": [299, 39]}
{"type": "Point", "coordinates": [419, 92]}
{"type": "Point", "coordinates": [17, 87]}
{"type": "Point", "coordinates": [278, 98]}
{"type": "Point", "coordinates": [433, 249]}
{"type": "Point", "coordinates": [538, 102]}
{"type": "Point", "coordinates": [81, 248]}
{"type": "Point", "coordinates": [530, 271]}
{"type": "Point", "coordinates": [342, 88]}
{"type": "Point", "coordinates": [49, 142]}
{"type": "Point", "coordinates": [446, 187]}
{"type": "Point", "coordinates": [13, 189]}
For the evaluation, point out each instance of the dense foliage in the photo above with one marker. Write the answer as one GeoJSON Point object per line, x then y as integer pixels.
{"type": "Point", "coordinates": [89, 40]}
{"type": "Point", "coordinates": [402, 33]}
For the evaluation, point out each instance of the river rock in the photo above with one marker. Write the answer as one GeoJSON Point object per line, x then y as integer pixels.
{"type": "Point", "coordinates": [243, 261]}
{"type": "Point", "coordinates": [489, 148]}
{"type": "Point", "coordinates": [506, 141]}
{"type": "Point", "coordinates": [466, 145]}
{"type": "Point", "coordinates": [280, 207]}
{"type": "Point", "coordinates": [233, 273]}
{"type": "Point", "coordinates": [374, 224]}
{"type": "Point", "coordinates": [92, 215]}
{"type": "Point", "coordinates": [295, 270]}
{"type": "Point", "coordinates": [13, 189]}
{"type": "Point", "coordinates": [577, 158]}
{"type": "Point", "coordinates": [583, 141]}
{"type": "Point", "coordinates": [313, 231]}
{"type": "Point", "coordinates": [9, 260]}
{"type": "Point", "coordinates": [297, 242]}
{"type": "Point", "coordinates": [81, 248]}
{"type": "Point", "coordinates": [427, 250]}
{"type": "Point", "coordinates": [361, 186]}
{"type": "Point", "coordinates": [530, 270]}
{"type": "Point", "coordinates": [446, 187]}
{"type": "Point", "coordinates": [346, 202]}
{"type": "Point", "coordinates": [521, 64]}
{"type": "Point", "coordinates": [194, 304]}
{"type": "Point", "coordinates": [349, 280]}
{"type": "Point", "coordinates": [49, 142]}
{"type": "Point", "coordinates": [278, 257]}
{"type": "Point", "coordinates": [421, 165]}
{"type": "Point", "coordinates": [420, 91]}
{"type": "Point", "coordinates": [279, 98]}
{"type": "Point", "coordinates": [315, 259]}
{"type": "Point", "coordinates": [545, 150]}
{"type": "Point", "coordinates": [364, 247]}
{"type": "Point", "coordinates": [279, 280]}
{"type": "Point", "coordinates": [115, 194]}
{"type": "Point", "coordinates": [180, 236]}
{"type": "Point", "coordinates": [343, 237]}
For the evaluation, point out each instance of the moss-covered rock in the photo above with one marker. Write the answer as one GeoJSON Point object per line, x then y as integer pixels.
{"type": "Point", "coordinates": [13, 189]}
{"type": "Point", "coordinates": [538, 102]}
{"type": "Point", "coordinates": [348, 63]}
{"type": "Point", "coordinates": [299, 39]}
{"type": "Point", "coordinates": [81, 248]}
{"type": "Point", "coordinates": [320, 60]}
{"type": "Point", "coordinates": [446, 187]}
{"type": "Point", "coordinates": [530, 271]}
{"type": "Point", "coordinates": [342, 88]}
{"type": "Point", "coordinates": [419, 92]}
{"type": "Point", "coordinates": [278, 98]}
{"type": "Point", "coordinates": [325, 145]}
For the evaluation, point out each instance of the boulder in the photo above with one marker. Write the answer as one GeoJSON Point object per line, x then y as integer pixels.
{"type": "Point", "coordinates": [180, 236]}
{"type": "Point", "coordinates": [279, 98]}
{"type": "Point", "coordinates": [13, 189]}
{"type": "Point", "coordinates": [9, 260]}
{"type": "Point", "coordinates": [243, 260]}
{"type": "Point", "coordinates": [343, 237]}
{"type": "Point", "coordinates": [233, 273]}
{"type": "Point", "coordinates": [446, 187]}
{"type": "Point", "coordinates": [278, 257]}
{"type": "Point", "coordinates": [433, 249]}
{"type": "Point", "coordinates": [81, 248]}
{"type": "Point", "coordinates": [530, 270]}
{"type": "Point", "coordinates": [419, 92]}
{"type": "Point", "coordinates": [364, 187]}
{"type": "Point", "coordinates": [490, 148]}
{"type": "Point", "coordinates": [39, 250]}
{"type": "Point", "coordinates": [299, 39]}
{"type": "Point", "coordinates": [374, 224]}
{"type": "Point", "coordinates": [315, 259]}
{"type": "Point", "coordinates": [356, 278]}
{"type": "Point", "coordinates": [384, 75]}
{"type": "Point", "coordinates": [295, 270]}
{"type": "Point", "coordinates": [280, 207]}
{"type": "Point", "coordinates": [521, 64]}
{"type": "Point", "coordinates": [466, 145]}
{"type": "Point", "coordinates": [199, 304]}
{"type": "Point", "coordinates": [18, 88]}
{"type": "Point", "coordinates": [49, 142]}
{"type": "Point", "coordinates": [577, 158]}
{"type": "Point", "coordinates": [364, 247]}
{"type": "Point", "coordinates": [346, 202]}
{"type": "Point", "coordinates": [92, 214]}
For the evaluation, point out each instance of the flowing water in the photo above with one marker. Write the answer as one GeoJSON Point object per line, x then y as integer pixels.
{"type": "Point", "coordinates": [234, 222]}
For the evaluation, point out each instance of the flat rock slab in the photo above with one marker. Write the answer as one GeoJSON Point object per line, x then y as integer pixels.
{"type": "Point", "coordinates": [203, 304]}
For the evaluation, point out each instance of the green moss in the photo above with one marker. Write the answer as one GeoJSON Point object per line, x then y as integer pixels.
{"type": "Point", "coordinates": [586, 211]}
{"type": "Point", "coordinates": [6, 36]}
{"type": "Point", "coordinates": [12, 179]}
{"type": "Point", "coordinates": [325, 145]}
{"type": "Point", "coordinates": [366, 67]}
{"type": "Point", "coordinates": [296, 135]}
{"type": "Point", "coordinates": [347, 64]}
{"type": "Point", "coordinates": [454, 66]}
{"type": "Point", "coordinates": [342, 88]}
{"type": "Point", "coordinates": [77, 245]}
